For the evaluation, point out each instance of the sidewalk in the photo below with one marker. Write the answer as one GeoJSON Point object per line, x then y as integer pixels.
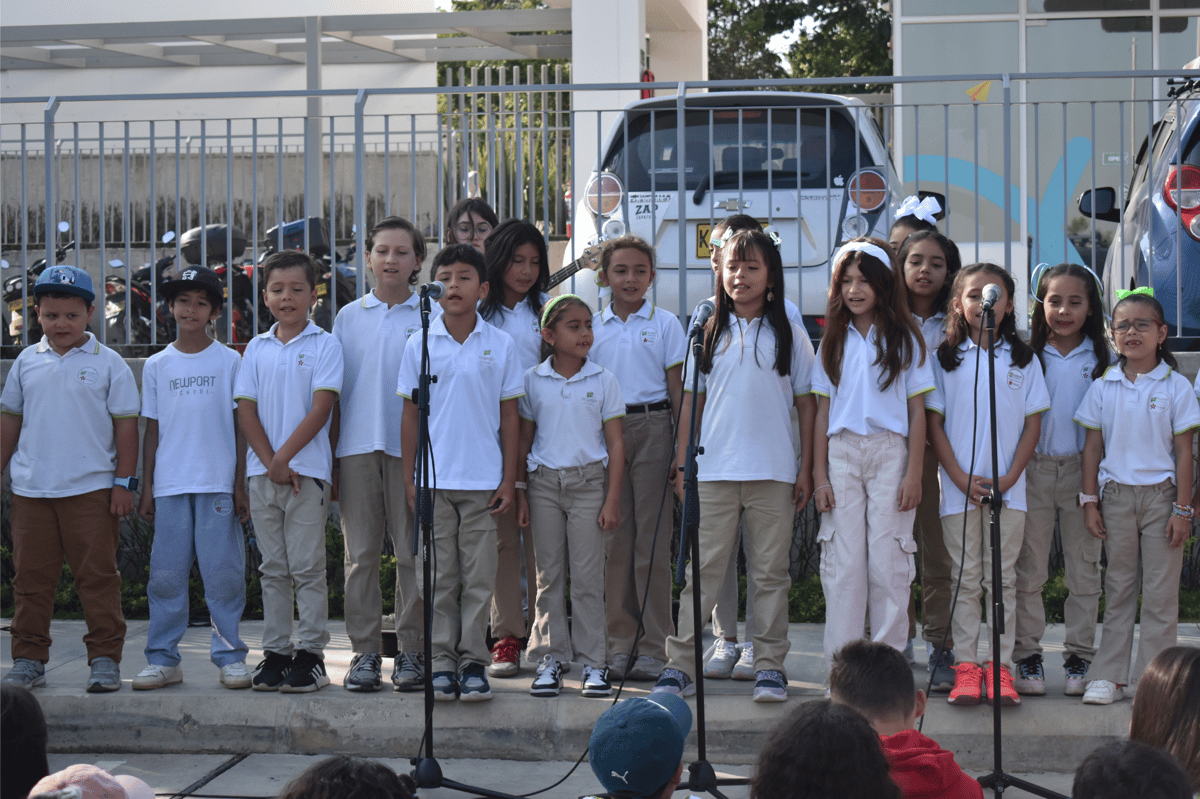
{"type": "Point", "coordinates": [1050, 733]}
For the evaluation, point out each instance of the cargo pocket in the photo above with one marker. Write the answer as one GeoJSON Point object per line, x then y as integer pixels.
{"type": "Point", "coordinates": [905, 570]}
{"type": "Point", "coordinates": [825, 539]}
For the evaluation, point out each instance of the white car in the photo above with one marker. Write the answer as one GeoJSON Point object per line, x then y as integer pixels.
{"type": "Point", "coordinates": [814, 167]}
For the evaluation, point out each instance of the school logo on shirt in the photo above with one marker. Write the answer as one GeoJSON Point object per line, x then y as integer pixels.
{"type": "Point", "coordinates": [1086, 371]}
{"type": "Point", "coordinates": [487, 359]}
{"type": "Point", "coordinates": [306, 360]}
{"type": "Point", "coordinates": [1160, 403]}
{"type": "Point", "coordinates": [1015, 379]}
{"type": "Point", "coordinates": [408, 331]}
{"type": "Point", "coordinates": [649, 335]}
{"type": "Point", "coordinates": [590, 398]}
{"type": "Point", "coordinates": [223, 505]}
{"type": "Point", "coordinates": [536, 327]}
{"type": "Point", "coordinates": [88, 375]}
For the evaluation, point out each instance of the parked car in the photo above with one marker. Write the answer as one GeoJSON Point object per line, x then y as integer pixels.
{"type": "Point", "coordinates": [1157, 241]}
{"type": "Point", "coordinates": [813, 166]}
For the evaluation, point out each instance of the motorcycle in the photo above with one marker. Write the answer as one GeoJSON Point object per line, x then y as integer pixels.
{"type": "Point", "coordinates": [338, 275]}
{"type": "Point", "coordinates": [17, 292]}
{"type": "Point", "coordinates": [144, 315]}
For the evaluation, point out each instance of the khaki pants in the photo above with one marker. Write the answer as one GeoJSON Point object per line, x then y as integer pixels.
{"type": "Point", "coordinates": [643, 535]}
{"type": "Point", "coordinates": [1139, 556]}
{"type": "Point", "coordinates": [1052, 489]}
{"type": "Point", "coordinates": [514, 550]}
{"type": "Point", "coordinates": [867, 548]}
{"type": "Point", "coordinates": [937, 587]}
{"type": "Point", "coordinates": [373, 504]}
{"type": "Point", "coordinates": [564, 510]}
{"type": "Point", "coordinates": [82, 530]}
{"type": "Point", "coordinates": [768, 540]}
{"type": "Point", "coordinates": [976, 564]}
{"type": "Point", "coordinates": [291, 538]}
{"type": "Point", "coordinates": [464, 544]}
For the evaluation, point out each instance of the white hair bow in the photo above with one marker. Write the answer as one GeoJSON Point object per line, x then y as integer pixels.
{"type": "Point", "coordinates": [925, 210]}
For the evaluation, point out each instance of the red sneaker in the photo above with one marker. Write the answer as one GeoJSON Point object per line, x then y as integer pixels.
{"type": "Point", "coordinates": [505, 654]}
{"type": "Point", "coordinates": [1008, 694]}
{"type": "Point", "coordinates": [967, 685]}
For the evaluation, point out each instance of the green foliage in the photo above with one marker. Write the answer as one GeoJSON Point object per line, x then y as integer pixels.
{"type": "Point", "coordinates": [738, 35]}
{"type": "Point", "coordinates": [842, 37]}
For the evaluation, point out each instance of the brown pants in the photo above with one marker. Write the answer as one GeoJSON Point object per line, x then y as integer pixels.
{"type": "Point", "coordinates": [82, 529]}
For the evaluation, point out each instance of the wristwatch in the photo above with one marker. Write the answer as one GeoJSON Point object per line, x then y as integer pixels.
{"type": "Point", "coordinates": [1086, 498]}
{"type": "Point", "coordinates": [128, 483]}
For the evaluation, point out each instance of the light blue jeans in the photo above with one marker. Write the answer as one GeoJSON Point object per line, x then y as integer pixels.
{"type": "Point", "coordinates": [201, 527]}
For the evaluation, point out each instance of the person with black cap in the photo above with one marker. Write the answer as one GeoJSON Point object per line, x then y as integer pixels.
{"type": "Point", "coordinates": [196, 492]}
{"type": "Point", "coordinates": [636, 749]}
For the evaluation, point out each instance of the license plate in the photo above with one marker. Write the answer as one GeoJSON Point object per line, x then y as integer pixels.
{"type": "Point", "coordinates": [16, 305]}
{"type": "Point", "coordinates": [703, 231]}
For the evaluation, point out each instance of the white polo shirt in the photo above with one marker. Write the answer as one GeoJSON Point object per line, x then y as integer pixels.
{"type": "Point", "coordinates": [473, 378]}
{"type": "Point", "coordinates": [933, 330]}
{"type": "Point", "coordinates": [525, 328]}
{"type": "Point", "coordinates": [639, 350]}
{"type": "Point", "coordinates": [1020, 393]}
{"type": "Point", "coordinates": [858, 404]}
{"type": "Point", "coordinates": [1139, 422]}
{"type": "Point", "coordinates": [570, 414]}
{"type": "Point", "coordinates": [373, 338]}
{"type": "Point", "coordinates": [793, 311]}
{"type": "Point", "coordinates": [191, 396]}
{"type": "Point", "coordinates": [1067, 379]}
{"type": "Point", "coordinates": [67, 446]}
{"type": "Point", "coordinates": [282, 379]}
{"type": "Point", "coordinates": [746, 428]}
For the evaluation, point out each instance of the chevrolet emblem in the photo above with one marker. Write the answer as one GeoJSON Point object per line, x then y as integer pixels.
{"type": "Point", "coordinates": [731, 204]}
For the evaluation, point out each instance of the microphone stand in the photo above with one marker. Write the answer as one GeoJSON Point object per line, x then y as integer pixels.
{"type": "Point", "coordinates": [998, 780]}
{"type": "Point", "coordinates": [426, 771]}
{"type": "Point", "coordinates": [701, 775]}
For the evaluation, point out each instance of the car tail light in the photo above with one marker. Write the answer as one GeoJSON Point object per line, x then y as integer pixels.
{"type": "Point", "coordinates": [868, 190]}
{"type": "Point", "coordinates": [1181, 192]}
{"type": "Point", "coordinates": [603, 194]}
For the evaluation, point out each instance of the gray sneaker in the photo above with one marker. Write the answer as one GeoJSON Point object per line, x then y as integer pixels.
{"type": "Point", "coordinates": [105, 676]}
{"type": "Point", "coordinates": [26, 673]}
{"type": "Point", "coordinates": [941, 666]}
{"type": "Point", "coordinates": [647, 667]}
{"type": "Point", "coordinates": [408, 673]}
{"type": "Point", "coordinates": [620, 666]}
{"type": "Point", "coordinates": [365, 674]}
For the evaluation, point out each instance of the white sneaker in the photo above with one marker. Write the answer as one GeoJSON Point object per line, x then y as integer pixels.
{"type": "Point", "coordinates": [1103, 692]}
{"type": "Point", "coordinates": [720, 665]}
{"type": "Point", "coordinates": [744, 668]}
{"type": "Point", "coordinates": [234, 675]}
{"type": "Point", "coordinates": [154, 676]}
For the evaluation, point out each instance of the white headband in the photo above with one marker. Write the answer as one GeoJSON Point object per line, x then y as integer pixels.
{"type": "Point", "coordinates": [864, 246]}
{"type": "Point", "coordinates": [925, 210]}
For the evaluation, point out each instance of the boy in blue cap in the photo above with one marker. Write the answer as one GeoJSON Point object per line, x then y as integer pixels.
{"type": "Point", "coordinates": [69, 491]}
{"type": "Point", "coordinates": [636, 749]}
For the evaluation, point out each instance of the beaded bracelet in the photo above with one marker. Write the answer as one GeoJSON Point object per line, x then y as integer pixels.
{"type": "Point", "coordinates": [1182, 511]}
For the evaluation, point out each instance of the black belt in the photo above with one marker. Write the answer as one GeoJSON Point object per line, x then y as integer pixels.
{"type": "Point", "coordinates": [661, 405]}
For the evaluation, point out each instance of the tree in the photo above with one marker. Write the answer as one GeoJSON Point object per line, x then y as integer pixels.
{"type": "Point", "coordinates": [738, 34]}
{"type": "Point", "coordinates": [842, 37]}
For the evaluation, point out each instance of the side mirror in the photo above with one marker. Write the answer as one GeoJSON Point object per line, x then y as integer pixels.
{"type": "Point", "coordinates": [1100, 204]}
{"type": "Point", "coordinates": [168, 237]}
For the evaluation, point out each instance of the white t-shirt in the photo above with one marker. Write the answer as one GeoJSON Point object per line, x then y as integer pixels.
{"type": "Point", "coordinates": [639, 351]}
{"type": "Point", "coordinates": [1020, 392]}
{"type": "Point", "coordinates": [570, 414]}
{"type": "Point", "coordinates": [858, 404]}
{"type": "Point", "coordinates": [373, 338]}
{"type": "Point", "coordinates": [525, 328]}
{"type": "Point", "coordinates": [473, 378]}
{"type": "Point", "coordinates": [746, 427]}
{"type": "Point", "coordinates": [282, 379]}
{"type": "Point", "coordinates": [1139, 422]}
{"type": "Point", "coordinates": [191, 396]}
{"type": "Point", "coordinates": [67, 404]}
{"type": "Point", "coordinates": [1067, 379]}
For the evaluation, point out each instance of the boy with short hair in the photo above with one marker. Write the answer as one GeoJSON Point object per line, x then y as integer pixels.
{"type": "Point", "coordinates": [876, 680]}
{"type": "Point", "coordinates": [69, 427]}
{"type": "Point", "coordinates": [193, 492]}
{"type": "Point", "coordinates": [286, 387]}
{"type": "Point", "coordinates": [473, 426]}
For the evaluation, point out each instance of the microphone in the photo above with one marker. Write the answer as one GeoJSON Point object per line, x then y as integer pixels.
{"type": "Point", "coordinates": [991, 296]}
{"type": "Point", "coordinates": [434, 290]}
{"type": "Point", "coordinates": [704, 312]}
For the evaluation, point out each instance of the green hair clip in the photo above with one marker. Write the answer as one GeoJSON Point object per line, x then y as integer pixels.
{"type": "Point", "coordinates": [1146, 291]}
{"type": "Point", "coordinates": [555, 301]}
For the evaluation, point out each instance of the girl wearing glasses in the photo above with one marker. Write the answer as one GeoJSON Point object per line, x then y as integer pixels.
{"type": "Point", "coordinates": [470, 221]}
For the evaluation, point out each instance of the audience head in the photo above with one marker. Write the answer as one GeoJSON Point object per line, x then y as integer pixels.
{"type": "Point", "coordinates": [1125, 769]}
{"type": "Point", "coordinates": [344, 777]}
{"type": "Point", "coordinates": [823, 750]}
{"type": "Point", "coordinates": [23, 736]}
{"type": "Point", "coordinates": [876, 680]}
{"type": "Point", "coordinates": [1166, 707]}
{"type": "Point", "coordinates": [93, 782]}
{"type": "Point", "coordinates": [636, 749]}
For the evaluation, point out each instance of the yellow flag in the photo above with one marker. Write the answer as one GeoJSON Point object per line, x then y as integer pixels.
{"type": "Point", "coordinates": [979, 92]}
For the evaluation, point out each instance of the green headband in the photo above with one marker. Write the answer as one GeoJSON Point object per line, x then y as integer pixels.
{"type": "Point", "coordinates": [1143, 290]}
{"type": "Point", "coordinates": [555, 301]}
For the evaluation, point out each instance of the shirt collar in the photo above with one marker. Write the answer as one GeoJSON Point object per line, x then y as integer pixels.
{"type": "Point", "coordinates": [1002, 344]}
{"type": "Point", "coordinates": [646, 311]}
{"type": "Point", "coordinates": [437, 327]}
{"type": "Point", "coordinates": [1084, 347]}
{"type": "Point", "coordinates": [589, 368]}
{"type": "Point", "coordinates": [370, 300]}
{"type": "Point", "coordinates": [1115, 372]}
{"type": "Point", "coordinates": [309, 329]}
{"type": "Point", "coordinates": [91, 346]}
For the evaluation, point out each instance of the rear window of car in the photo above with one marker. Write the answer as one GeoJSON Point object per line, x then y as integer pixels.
{"type": "Point", "coordinates": [761, 147]}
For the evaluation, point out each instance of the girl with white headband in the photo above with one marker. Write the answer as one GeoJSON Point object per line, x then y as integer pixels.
{"type": "Point", "coordinates": [871, 376]}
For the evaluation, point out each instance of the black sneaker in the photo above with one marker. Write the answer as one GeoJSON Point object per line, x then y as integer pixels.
{"type": "Point", "coordinates": [1075, 671]}
{"type": "Point", "coordinates": [941, 666]}
{"type": "Point", "coordinates": [365, 672]}
{"type": "Point", "coordinates": [473, 684]}
{"type": "Point", "coordinates": [307, 674]}
{"type": "Point", "coordinates": [271, 672]}
{"type": "Point", "coordinates": [1031, 677]}
{"type": "Point", "coordinates": [445, 686]}
{"type": "Point", "coordinates": [549, 678]}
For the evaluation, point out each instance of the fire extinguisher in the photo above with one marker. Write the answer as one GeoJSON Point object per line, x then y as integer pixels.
{"type": "Point", "coordinates": [647, 77]}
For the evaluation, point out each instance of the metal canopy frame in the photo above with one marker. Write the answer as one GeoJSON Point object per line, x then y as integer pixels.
{"type": "Point", "coordinates": [345, 39]}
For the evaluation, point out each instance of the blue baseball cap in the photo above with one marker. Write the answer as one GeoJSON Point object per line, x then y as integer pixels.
{"type": "Point", "coordinates": [65, 279]}
{"type": "Point", "coordinates": [637, 744]}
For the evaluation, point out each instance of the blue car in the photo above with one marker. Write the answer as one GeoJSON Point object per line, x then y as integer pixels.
{"type": "Point", "coordinates": [1157, 242]}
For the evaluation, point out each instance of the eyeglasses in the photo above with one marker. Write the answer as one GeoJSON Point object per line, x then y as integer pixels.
{"type": "Point", "coordinates": [467, 232]}
{"type": "Point", "coordinates": [1140, 325]}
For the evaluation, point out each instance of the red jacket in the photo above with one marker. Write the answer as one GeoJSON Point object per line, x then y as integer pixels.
{"type": "Point", "coordinates": [923, 769]}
